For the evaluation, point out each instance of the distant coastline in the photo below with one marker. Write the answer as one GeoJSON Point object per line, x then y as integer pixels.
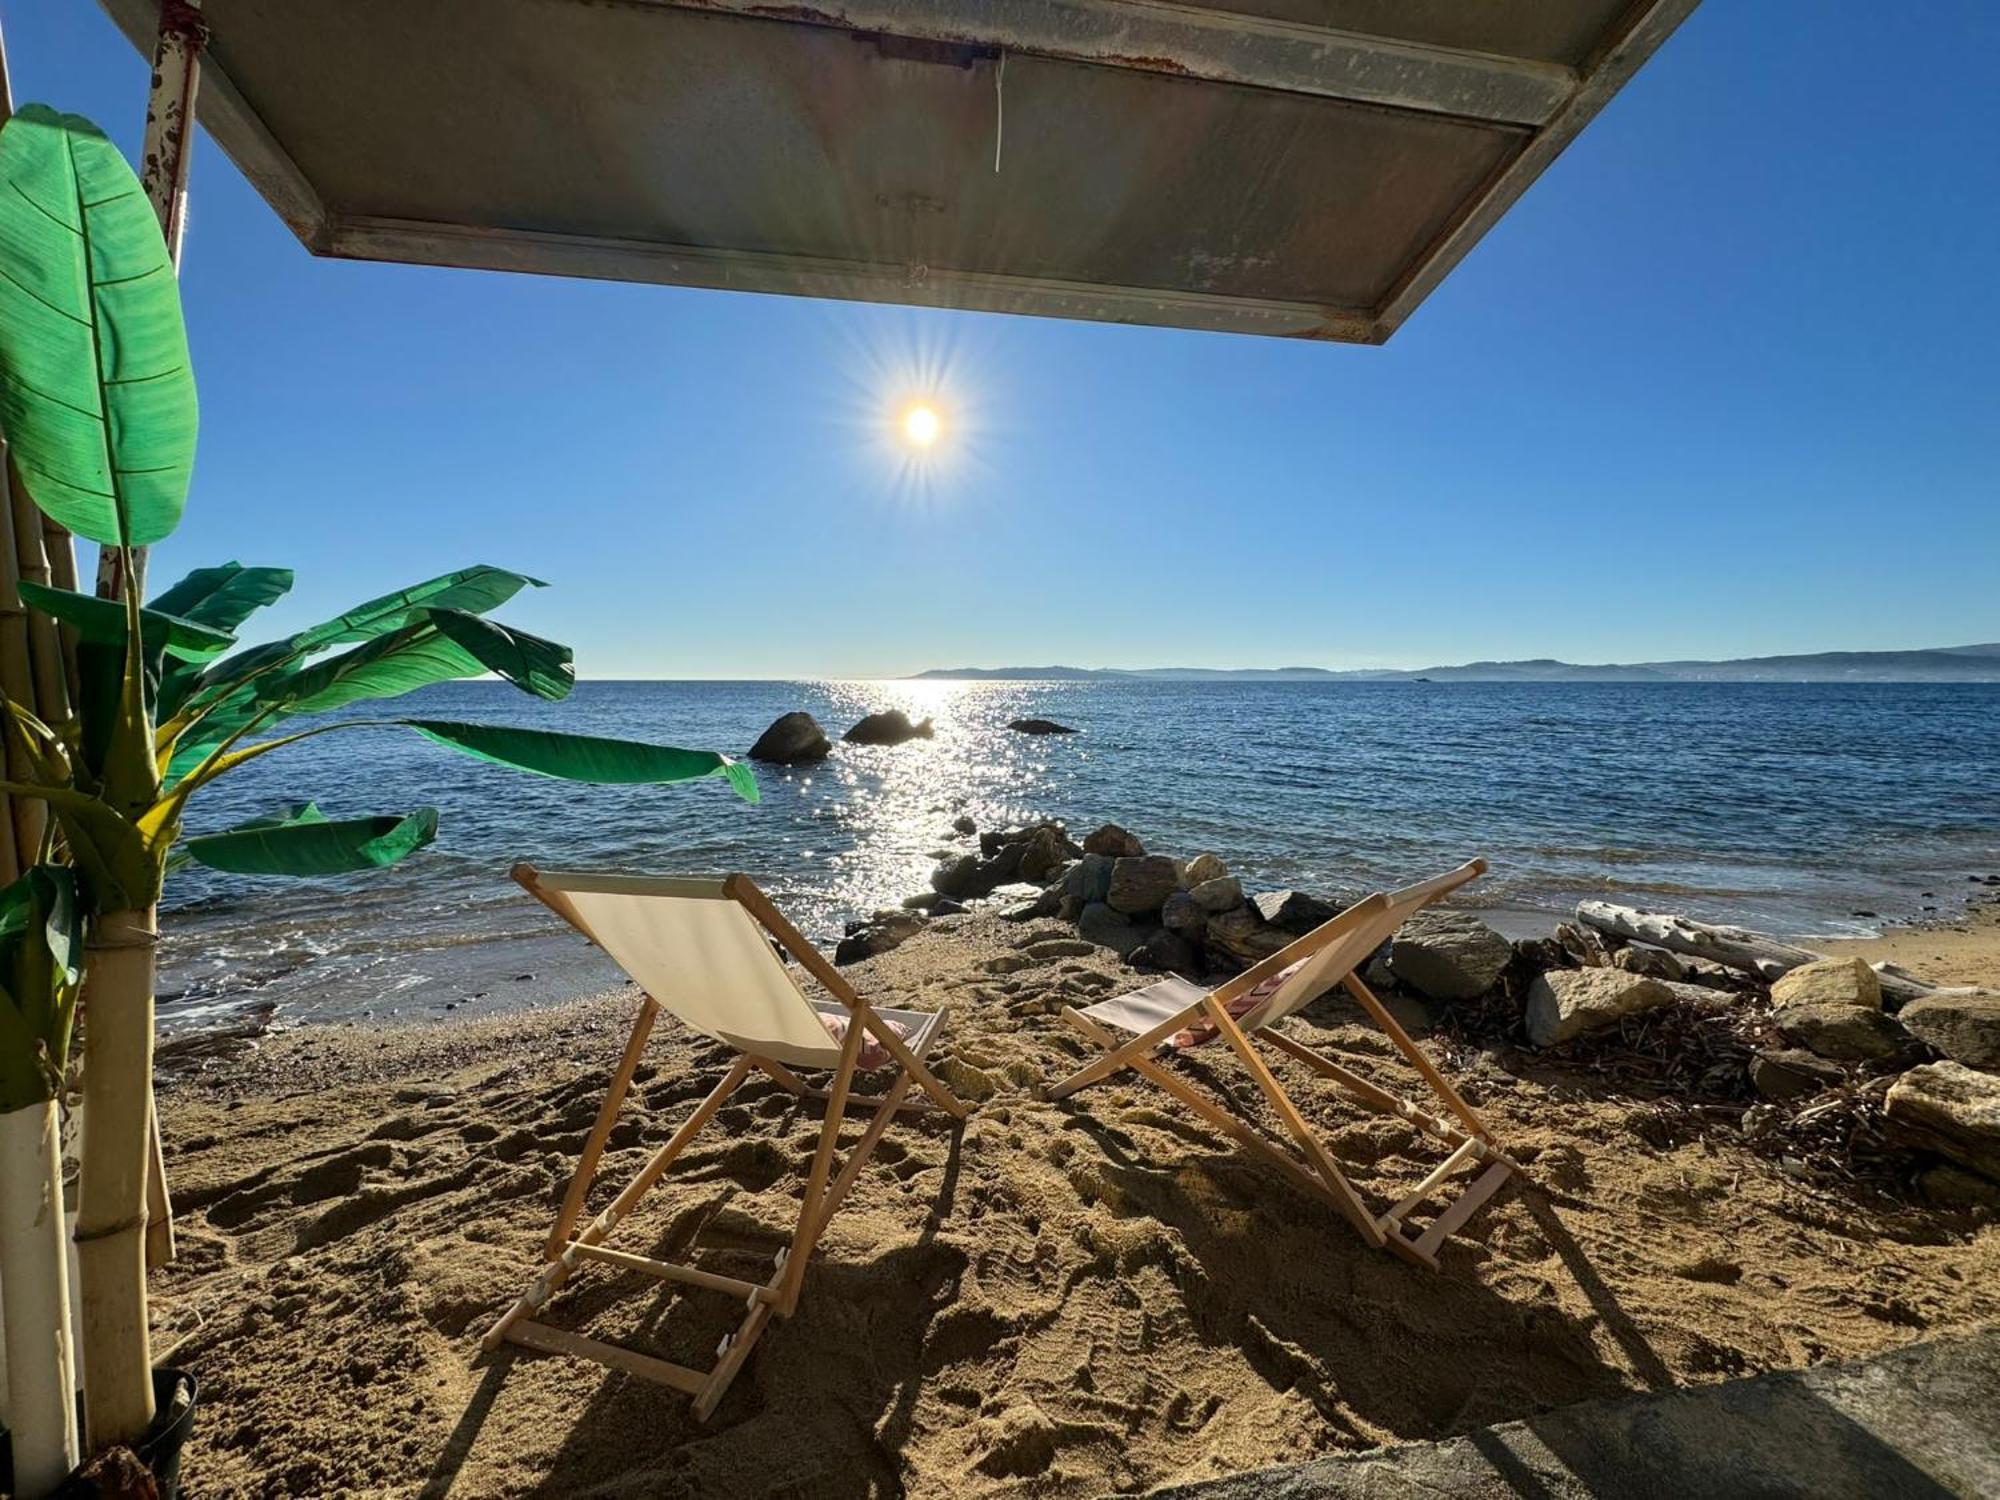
{"type": "Point", "coordinates": [1937, 664]}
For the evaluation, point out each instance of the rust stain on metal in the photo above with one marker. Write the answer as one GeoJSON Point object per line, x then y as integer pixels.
{"type": "Point", "coordinates": [180, 18]}
{"type": "Point", "coordinates": [1147, 64]}
{"type": "Point", "coordinates": [810, 15]}
{"type": "Point", "coordinates": [814, 15]}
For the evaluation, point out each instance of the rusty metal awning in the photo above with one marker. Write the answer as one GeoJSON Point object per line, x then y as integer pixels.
{"type": "Point", "coordinates": [1310, 168]}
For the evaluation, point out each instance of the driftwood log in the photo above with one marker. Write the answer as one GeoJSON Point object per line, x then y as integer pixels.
{"type": "Point", "coordinates": [1732, 947]}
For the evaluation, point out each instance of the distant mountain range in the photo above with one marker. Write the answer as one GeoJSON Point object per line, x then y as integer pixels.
{"type": "Point", "coordinates": [1941, 664]}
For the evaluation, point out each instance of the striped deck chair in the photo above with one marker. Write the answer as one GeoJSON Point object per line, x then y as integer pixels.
{"type": "Point", "coordinates": [1173, 1015]}
{"type": "Point", "coordinates": [701, 950]}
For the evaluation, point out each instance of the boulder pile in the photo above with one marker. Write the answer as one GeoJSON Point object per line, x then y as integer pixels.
{"type": "Point", "coordinates": [1844, 1070]}
{"type": "Point", "coordinates": [1166, 914]}
{"type": "Point", "coordinates": [1835, 1069]}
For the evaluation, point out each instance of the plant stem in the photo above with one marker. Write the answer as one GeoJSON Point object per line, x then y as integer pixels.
{"type": "Point", "coordinates": [111, 1210]}
{"type": "Point", "coordinates": [41, 1367]}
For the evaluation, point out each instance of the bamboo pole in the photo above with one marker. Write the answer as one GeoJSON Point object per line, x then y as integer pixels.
{"type": "Point", "coordinates": [60, 546]}
{"type": "Point", "coordinates": [45, 651]}
{"type": "Point", "coordinates": [27, 817]}
{"type": "Point", "coordinates": [34, 1253]}
{"type": "Point", "coordinates": [111, 1208]}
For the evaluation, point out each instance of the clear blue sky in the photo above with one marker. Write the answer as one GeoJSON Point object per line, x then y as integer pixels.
{"type": "Point", "coordinates": [1723, 383]}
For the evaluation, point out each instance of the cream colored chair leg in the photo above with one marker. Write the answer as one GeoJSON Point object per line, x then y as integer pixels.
{"type": "Point", "coordinates": [600, 1130]}
{"type": "Point", "coordinates": [829, 1138]}
{"type": "Point", "coordinates": [559, 1270]}
{"type": "Point", "coordinates": [1336, 1181]}
{"type": "Point", "coordinates": [885, 1115]}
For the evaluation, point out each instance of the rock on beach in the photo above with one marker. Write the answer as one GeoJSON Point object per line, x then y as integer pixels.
{"type": "Point", "coordinates": [1203, 868]}
{"type": "Point", "coordinates": [1951, 1109]}
{"type": "Point", "coordinates": [1833, 1007]}
{"type": "Point", "coordinates": [1242, 936]}
{"type": "Point", "coordinates": [891, 727]}
{"type": "Point", "coordinates": [1223, 893]}
{"type": "Point", "coordinates": [1141, 883]}
{"type": "Point", "coordinates": [1109, 928]}
{"type": "Point", "coordinates": [1293, 911]}
{"type": "Point", "coordinates": [1963, 1025]}
{"type": "Point", "coordinates": [1119, 843]}
{"type": "Point", "coordinates": [1449, 955]}
{"type": "Point", "coordinates": [1828, 981]}
{"type": "Point", "coordinates": [1565, 1003]}
{"type": "Point", "coordinates": [793, 739]}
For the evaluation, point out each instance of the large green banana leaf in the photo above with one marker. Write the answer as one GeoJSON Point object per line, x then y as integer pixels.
{"type": "Point", "coordinates": [542, 667]}
{"type": "Point", "coordinates": [474, 590]}
{"type": "Point", "coordinates": [101, 622]}
{"type": "Point", "coordinates": [444, 646]}
{"type": "Point", "coordinates": [583, 757]}
{"type": "Point", "coordinates": [306, 842]}
{"type": "Point", "coordinates": [96, 392]}
{"type": "Point", "coordinates": [41, 968]}
{"type": "Point", "coordinates": [416, 656]}
{"type": "Point", "coordinates": [225, 596]}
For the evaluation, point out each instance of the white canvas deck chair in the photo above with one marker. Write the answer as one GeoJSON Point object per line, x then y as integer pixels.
{"type": "Point", "coordinates": [701, 950]}
{"type": "Point", "coordinates": [1326, 956]}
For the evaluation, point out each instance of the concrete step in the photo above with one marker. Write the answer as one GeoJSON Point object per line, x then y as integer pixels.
{"type": "Point", "coordinates": [1921, 1422]}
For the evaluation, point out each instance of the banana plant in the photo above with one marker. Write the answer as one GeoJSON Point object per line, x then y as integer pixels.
{"type": "Point", "coordinates": [97, 402]}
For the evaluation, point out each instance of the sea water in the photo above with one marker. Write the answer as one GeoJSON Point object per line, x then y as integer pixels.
{"type": "Point", "coordinates": [1804, 809]}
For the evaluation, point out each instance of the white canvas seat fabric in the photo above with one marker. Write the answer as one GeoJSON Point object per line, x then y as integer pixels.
{"type": "Point", "coordinates": [702, 949]}
{"type": "Point", "coordinates": [1334, 947]}
{"type": "Point", "coordinates": [691, 947]}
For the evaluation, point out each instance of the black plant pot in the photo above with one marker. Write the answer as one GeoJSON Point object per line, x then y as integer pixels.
{"type": "Point", "coordinates": [174, 1393]}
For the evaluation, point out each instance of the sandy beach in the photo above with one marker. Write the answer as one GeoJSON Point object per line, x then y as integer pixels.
{"type": "Point", "coordinates": [1093, 1297]}
{"type": "Point", "coordinates": [1965, 950]}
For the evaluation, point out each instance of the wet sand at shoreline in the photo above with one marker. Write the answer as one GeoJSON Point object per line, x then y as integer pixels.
{"type": "Point", "coordinates": [1963, 951]}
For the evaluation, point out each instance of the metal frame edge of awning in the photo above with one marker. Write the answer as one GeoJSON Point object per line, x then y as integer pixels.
{"type": "Point", "coordinates": [1549, 103]}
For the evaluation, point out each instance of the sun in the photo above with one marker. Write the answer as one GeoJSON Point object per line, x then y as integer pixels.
{"type": "Point", "coordinates": [922, 426]}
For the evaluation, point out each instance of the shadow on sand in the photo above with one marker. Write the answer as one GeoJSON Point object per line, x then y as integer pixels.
{"type": "Point", "coordinates": [1379, 1348]}
{"type": "Point", "coordinates": [632, 1437]}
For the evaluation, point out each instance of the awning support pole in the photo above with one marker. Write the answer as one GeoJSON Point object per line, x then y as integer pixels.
{"type": "Point", "coordinates": [165, 157]}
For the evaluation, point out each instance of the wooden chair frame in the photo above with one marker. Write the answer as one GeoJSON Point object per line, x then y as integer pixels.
{"type": "Point", "coordinates": [566, 1250]}
{"type": "Point", "coordinates": [1320, 1176]}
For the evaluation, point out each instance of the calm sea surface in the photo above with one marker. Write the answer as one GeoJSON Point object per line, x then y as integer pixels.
{"type": "Point", "coordinates": [1800, 809]}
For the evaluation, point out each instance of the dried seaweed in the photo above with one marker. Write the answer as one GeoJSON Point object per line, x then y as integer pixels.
{"type": "Point", "coordinates": [1687, 1067]}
